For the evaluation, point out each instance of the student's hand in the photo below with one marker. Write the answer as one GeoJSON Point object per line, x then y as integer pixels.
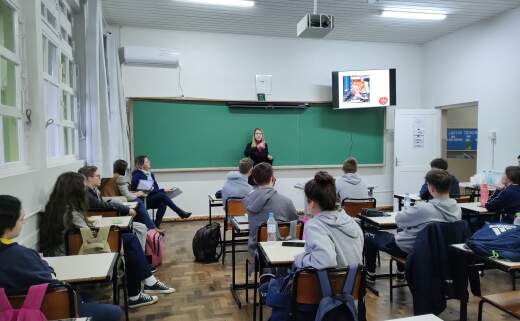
{"type": "Point", "coordinates": [132, 212]}
{"type": "Point", "coordinates": [269, 157]}
{"type": "Point", "coordinates": [169, 189]}
{"type": "Point", "coordinates": [139, 194]}
{"type": "Point", "coordinates": [503, 183]}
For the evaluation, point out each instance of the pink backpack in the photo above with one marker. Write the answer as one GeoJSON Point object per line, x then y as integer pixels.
{"type": "Point", "coordinates": [154, 247]}
{"type": "Point", "coordinates": [30, 310]}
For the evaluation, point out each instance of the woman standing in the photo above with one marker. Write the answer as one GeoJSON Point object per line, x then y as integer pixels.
{"type": "Point", "coordinates": [257, 149]}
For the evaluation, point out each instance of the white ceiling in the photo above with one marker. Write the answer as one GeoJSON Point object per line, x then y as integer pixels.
{"type": "Point", "coordinates": [354, 19]}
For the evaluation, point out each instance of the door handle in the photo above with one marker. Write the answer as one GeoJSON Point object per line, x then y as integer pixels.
{"type": "Point", "coordinates": [396, 161]}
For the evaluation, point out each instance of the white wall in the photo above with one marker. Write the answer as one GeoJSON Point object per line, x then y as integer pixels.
{"type": "Point", "coordinates": [480, 63]}
{"type": "Point", "coordinates": [223, 66]}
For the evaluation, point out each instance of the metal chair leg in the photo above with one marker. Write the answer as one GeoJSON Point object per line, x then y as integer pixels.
{"type": "Point", "coordinates": [391, 277]}
{"type": "Point", "coordinates": [247, 280]}
{"type": "Point", "coordinates": [480, 306]}
{"type": "Point", "coordinates": [224, 243]}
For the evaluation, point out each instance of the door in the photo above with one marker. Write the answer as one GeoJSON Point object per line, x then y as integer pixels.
{"type": "Point", "coordinates": [417, 142]}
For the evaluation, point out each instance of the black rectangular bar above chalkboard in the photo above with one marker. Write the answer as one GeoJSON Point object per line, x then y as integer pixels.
{"type": "Point", "coordinates": [267, 104]}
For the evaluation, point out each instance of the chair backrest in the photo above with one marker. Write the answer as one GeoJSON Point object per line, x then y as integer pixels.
{"type": "Point", "coordinates": [284, 229]}
{"type": "Point", "coordinates": [60, 302]}
{"type": "Point", "coordinates": [306, 286]}
{"type": "Point", "coordinates": [73, 241]}
{"type": "Point", "coordinates": [109, 187]}
{"type": "Point", "coordinates": [463, 199]}
{"type": "Point", "coordinates": [353, 206]}
{"type": "Point", "coordinates": [112, 213]}
{"type": "Point", "coordinates": [235, 207]}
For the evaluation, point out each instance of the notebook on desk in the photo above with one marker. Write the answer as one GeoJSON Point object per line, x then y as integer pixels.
{"type": "Point", "coordinates": [242, 219]}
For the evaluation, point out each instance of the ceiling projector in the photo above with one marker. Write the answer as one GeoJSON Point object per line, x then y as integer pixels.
{"type": "Point", "coordinates": [314, 25]}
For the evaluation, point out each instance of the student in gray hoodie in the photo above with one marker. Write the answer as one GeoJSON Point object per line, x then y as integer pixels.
{"type": "Point", "coordinates": [350, 184]}
{"type": "Point", "coordinates": [264, 200]}
{"type": "Point", "coordinates": [236, 184]}
{"type": "Point", "coordinates": [333, 239]}
{"type": "Point", "coordinates": [413, 219]}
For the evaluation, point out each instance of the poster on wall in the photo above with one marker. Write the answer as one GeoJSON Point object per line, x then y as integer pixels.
{"type": "Point", "coordinates": [418, 133]}
{"type": "Point", "coordinates": [462, 139]}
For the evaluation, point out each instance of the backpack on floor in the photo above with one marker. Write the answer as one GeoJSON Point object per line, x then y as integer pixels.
{"type": "Point", "coordinates": [497, 240]}
{"type": "Point", "coordinates": [206, 243]}
{"type": "Point", "coordinates": [154, 247]}
{"type": "Point", "coordinates": [340, 307]}
{"type": "Point", "coordinates": [29, 311]}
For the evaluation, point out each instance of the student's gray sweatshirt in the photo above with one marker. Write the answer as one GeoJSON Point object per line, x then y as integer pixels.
{"type": "Point", "coordinates": [350, 185]}
{"type": "Point", "coordinates": [414, 218]}
{"type": "Point", "coordinates": [259, 203]}
{"type": "Point", "coordinates": [236, 185]}
{"type": "Point", "coordinates": [333, 239]}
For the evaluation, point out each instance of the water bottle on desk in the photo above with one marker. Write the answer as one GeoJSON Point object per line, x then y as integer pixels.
{"type": "Point", "coordinates": [517, 219]}
{"type": "Point", "coordinates": [407, 200]}
{"type": "Point", "coordinates": [272, 226]}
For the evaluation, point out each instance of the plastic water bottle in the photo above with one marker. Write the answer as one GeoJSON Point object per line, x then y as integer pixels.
{"type": "Point", "coordinates": [271, 228]}
{"type": "Point", "coordinates": [517, 219]}
{"type": "Point", "coordinates": [407, 200]}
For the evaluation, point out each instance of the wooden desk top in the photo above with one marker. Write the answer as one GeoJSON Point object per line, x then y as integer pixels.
{"type": "Point", "coordinates": [413, 196]}
{"type": "Point", "coordinates": [276, 254]}
{"type": "Point", "coordinates": [83, 268]}
{"type": "Point", "coordinates": [123, 222]}
{"type": "Point", "coordinates": [425, 317]}
{"type": "Point", "coordinates": [473, 207]}
{"type": "Point", "coordinates": [382, 221]}
{"type": "Point", "coordinates": [506, 264]}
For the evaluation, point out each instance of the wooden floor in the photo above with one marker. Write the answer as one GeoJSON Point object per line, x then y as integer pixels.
{"type": "Point", "coordinates": [203, 289]}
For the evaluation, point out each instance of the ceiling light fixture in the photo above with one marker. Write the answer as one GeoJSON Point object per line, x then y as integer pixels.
{"type": "Point", "coordinates": [413, 15]}
{"type": "Point", "coordinates": [232, 3]}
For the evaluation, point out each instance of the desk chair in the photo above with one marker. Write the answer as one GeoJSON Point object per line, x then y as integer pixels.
{"type": "Point", "coordinates": [509, 302]}
{"type": "Point", "coordinates": [353, 206]}
{"type": "Point", "coordinates": [463, 199]}
{"type": "Point", "coordinates": [284, 228]}
{"type": "Point", "coordinates": [60, 302]}
{"type": "Point", "coordinates": [73, 242]}
{"type": "Point", "coordinates": [234, 207]}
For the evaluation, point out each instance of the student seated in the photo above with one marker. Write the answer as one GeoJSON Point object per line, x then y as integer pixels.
{"type": "Point", "coordinates": [350, 185]}
{"type": "Point", "coordinates": [412, 220]}
{"type": "Point", "coordinates": [236, 184]}
{"type": "Point", "coordinates": [440, 163]}
{"type": "Point", "coordinates": [506, 198]}
{"type": "Point", "coordinates": [66, 210]}
{"type": "Point", "coordinates": [27, 268]}
{"type": "Point", "coordinates": [95, 202]}
{"type": "Point", "coordinates": [157, 197]}
{"type": "Point", "coordinates": [333, 239]}
{"type": "Point", "coordinates": [264, 200]}
{"type": "Point", "coordinates": [121, 184]}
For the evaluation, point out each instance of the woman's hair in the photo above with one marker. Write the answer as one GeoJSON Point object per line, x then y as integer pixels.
{"type": "Point", "coordinates": [322, 190]}
{"type": "Point", "coordinates": [262, 173]}
{"type": "Point", "coordinates": [67, 195]}
{"type": "Point", "coordinates": [10, 208]}
{"type": "Point", "coordinates": [513, 174]}
{"type": "Point", "coordinates": [120, 167]}
{"type": "Point", "coordinates": [253, 141]}
{"type": "Point", "coordinates": [139, 161]}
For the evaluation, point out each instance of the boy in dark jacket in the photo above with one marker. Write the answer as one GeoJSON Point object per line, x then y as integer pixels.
{"type": "Point", "coordinates": [440, 163]}
{"type": "Point", "coordinates": [27, 268]}
{"type": "Point", "coordinates": [506, 198]}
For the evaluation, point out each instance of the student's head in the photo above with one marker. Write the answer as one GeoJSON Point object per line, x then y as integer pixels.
{"type": "Point", "coordinates": [120, 167]}
{"type": "Point", "coordinates": [11, 216]}
{"type": "Point", "coordinates": [350, 165]}
{"type": "Point", "coordinates": [258, 137]}
{"type": "Point", "coordinates": [92, 174]}
{"type": "Point", "coordinates": [513, 174]}
{"type": "Point", "coordinates": [439, 182]}
{"type": "Point", "coordinates": [263, 174]}
{"type": "Point", "coordinates": [68, 194]}
{"type": "Point", "coordinates": [439, 163]}
{"type": "Point", "coordinates": [320, 193]}
{"type": "Point", "coordinates": [245, 166]}
{"type": "Point", "coordinates": [142, 162]}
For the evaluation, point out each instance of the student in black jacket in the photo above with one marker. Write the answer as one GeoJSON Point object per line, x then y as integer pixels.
{"type": "Point", "coordinates": [440, 163]}
{"type": "Point", "coordinates": [26, 267]}
{"type": "Point", "coordinates": [506, 198]}
{"type": "Point", "coordinates": [258, 151]}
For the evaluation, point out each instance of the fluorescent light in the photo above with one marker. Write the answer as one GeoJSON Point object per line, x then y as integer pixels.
{"type": "Point", "coordinates": [413, 15]}
{"type": "Point", "coordinates": [234, 3]}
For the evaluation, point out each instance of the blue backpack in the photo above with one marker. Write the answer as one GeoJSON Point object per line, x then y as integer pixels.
{"type": "Point", "coordinates": [497, 240]}
{"type": "Point", "coordinates": [339, 307]}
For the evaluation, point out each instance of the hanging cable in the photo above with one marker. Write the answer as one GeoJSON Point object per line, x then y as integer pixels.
{"type": "Point", "coordinates": [180, 82]}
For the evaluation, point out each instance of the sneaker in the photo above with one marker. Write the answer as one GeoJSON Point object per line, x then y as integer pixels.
{"type": "Point", "coordinates": [183, 214]}
{"type": "Point", "coordinates": [144, 299]}
{"type": "Point", "coordinates": [370, 278]}
{"type": "Point", "coordinates": [400, 276]}
{"type": "Point", "coordinates": [158, 287]}
{"type": "Point", "coordinates": [153, 269]}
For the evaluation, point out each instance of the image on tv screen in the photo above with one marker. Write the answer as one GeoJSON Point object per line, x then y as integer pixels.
{"type": "Point", "coordinates": [356, 89]}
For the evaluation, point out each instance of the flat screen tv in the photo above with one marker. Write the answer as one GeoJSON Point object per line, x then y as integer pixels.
{"type": "Point", "coordinates": [363, 88]}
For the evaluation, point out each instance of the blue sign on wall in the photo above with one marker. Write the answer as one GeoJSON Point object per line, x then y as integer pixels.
{"type": "Point", "coordinates": [462, 139]}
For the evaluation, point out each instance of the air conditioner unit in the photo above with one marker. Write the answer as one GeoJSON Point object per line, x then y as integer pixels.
{"type": "Point", "coordinates": [149, 56]}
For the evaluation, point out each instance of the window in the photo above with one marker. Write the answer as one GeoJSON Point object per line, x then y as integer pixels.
{"type": "Point", "coordinates": [11, 131]}
{"type": "Point", "coordinates": [59, 83]}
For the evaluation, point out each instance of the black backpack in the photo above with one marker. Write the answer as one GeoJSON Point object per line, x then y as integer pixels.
{"type": "Point", "coordinates": [206, 242]}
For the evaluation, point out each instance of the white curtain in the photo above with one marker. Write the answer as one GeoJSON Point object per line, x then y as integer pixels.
{"type": "Point", "coordinates": [103, 124]}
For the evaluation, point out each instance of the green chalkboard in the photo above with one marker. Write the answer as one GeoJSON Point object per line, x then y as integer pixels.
{"type": "Point", "coordinates": [206, 134]}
